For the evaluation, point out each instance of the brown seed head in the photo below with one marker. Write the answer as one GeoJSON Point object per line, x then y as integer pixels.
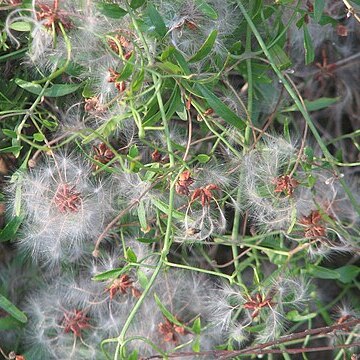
{"type": "Point", "coordinates": [67, 199]}
{"type": "Point", "coordinates": [75, 321]}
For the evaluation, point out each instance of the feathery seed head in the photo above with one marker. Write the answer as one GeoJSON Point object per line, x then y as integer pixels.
{"type": "Point", "coordinates": [63, 207]}
{"type": "Point", "coordinates": [270, 193]}
{"type": "Point", "coordinates": [60, 326]}
{"type": "Point", "coordinates": [233, 311]}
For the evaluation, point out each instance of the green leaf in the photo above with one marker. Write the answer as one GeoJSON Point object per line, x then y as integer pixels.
{"type": "Point", "coordinates": [309, 47]}
{"type": "Point", "coordinates": [206, 9]}
{"type": "Point", "coordinates": [167, 52]}
{"type": "Point", "coordinates": [281, 60]}
{"type": "Point", "coordinates": [325, 20]}
{"type": "Point", "coordinates": [175, 103]}
{"type": "Point", "coordinates": [38, 137]}
{"type": "Point", "coordinates": [128, 69]}
{"type": "Point", "coordinates": [110, 274]}
{"type": "Point", "coordinates": [143, 280]}
{"type": "Point", "coordinates": [9, 323]}
{"type": "Point", "coordinates": [130, 255]}
{"type": "Point", "coordinates": [293, 220]}
{"type": "Point", "coordinates": [318, 104]}
{"type": "Point", "coordinates": [146, 240]}
{"type": "Point", "coordinates": [165, 209]}
{"type": "Point", "coordinates": [196, 328]}
{"type": "Point", "coordinates": [318, 9]}
{"type": "Point", "coordinates": [348, 273]}
{"type": "Point", "coordinates": [311, 180]}
{"type": "Point", "coordinates": [156, 20]}
{"type": "Point", "coordinates": [10, 133]}
{"type": "Point", "coordinates": [309, 153]}
{"type": "Point", "coordinates": [56, 90]}
{"type": "Point", "coordinates": [322, 272]}
{"type": "Point", "coordinates": [167, 313]}
{"type": "Point", "coordinates": [220, 108]}
{"type": "Point", "coordinates": [275, 258]}
{"type": "Point", "coordinates": [9, 231]}
{"type": "Point", "coordinates": [12, 310]}
{"type": "Point", "coordinates": [88, 90]}
{"type": "Point", "coordinates": [133, 151]}
{"type": "Point", "coordinates": [134, 4]}
{"type": "Point", "coordinates": [113, 11]}
{"type": "Point", "coordinates": [214, 102]}
{"type": "Point", "coordinates": [181, 112]}
{"type": "Point", "coordinates": [170, 67]}
{"type": "Point", "coordinates": [196, 345]}
{"type": "Point", "coordinates": [138, 80]}
{"type": "Point", "coordinates": [142, 217]}
{"type": "Point", "coordinates": [296, 317]}
{"type": "Point", "coordinates": [133, 355]}
{"type": "Point", "coordinates": [205, 48]}
{"type": "Point", "coordinates": [20, 26]}
{"type": "Point", "coordinates": [202, 158]}
{"type": "Point", "coordinates": [11, 149]}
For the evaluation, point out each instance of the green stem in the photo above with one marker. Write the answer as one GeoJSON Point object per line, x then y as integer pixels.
{"type": "Point", "coordinates": [68, 57]}
{"type": "Point", "coordinates": [167, 238]}
{"type": "Point", "coordinates": [31, 109]}
{"type": "Point", "coordinates": [204, 271]}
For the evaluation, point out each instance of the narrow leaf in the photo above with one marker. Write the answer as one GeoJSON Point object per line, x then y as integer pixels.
{"type": "Point", "coordinates": [9, 231]}
{"type": "Point", "coordinates": [206, 9]}
{"type": "Point", "coordinates": [318, 9]}
{"type": "Point", "coordinates": [281, 60]}
{"type": "Point", "coordinates": [314, 105]}
{"type": "Point", "coordinates": [9, 323]}
{"type": "Point", "coordinates": [128, 69]}
{"type": "Point", "coordinates": [205, 49]}
{"type": "Point", "coordinates": [157, 20]}
{"type": "Point", "coordinates": [166, 312]}
{"type": "Point", "coordinates": [309, 47]}
{"type": "Point", "coordinates": [12, 310]}
{"type": "Point", "coordinates": [197, 326]}
{"type": "Point", "coordinates": [146, 240]}
{"type": "Point", "coordinates": [296, 317]}
{"type": "Point", "coordinates": [143, 280]}
{"type": "Point", "coordinates": [165, 209]}
{"type": "Point", "coordinates": [11, 149]}
{"type": "Point", "coordinates": [322, 272]}
{"type": "Point", "coordinates": [110, 274]}
{"type": "Point", "coordinates": [134, 4]}
{"type": "Point", "coordinates": [56, 90]}
{"type": "Point", "coordinates": [348, 273]}
{"type": "Point", "coordinates": [220, 108]}
{"type": "Point", "coordinates": [113, 11]}
{"type": "Point", "coordinates": [20, 26]}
